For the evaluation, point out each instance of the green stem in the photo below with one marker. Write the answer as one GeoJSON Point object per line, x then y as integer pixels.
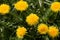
{"type": "Point", "coordinates": [30, 36]}
{"type": "Point", "coordinates": [55, 0]}
{"type": "Point", "coordinates": [47, 3]}
{"type": "Point", "coordinates": [41, 3]}
{"type": "Point", "coordinates": [20, 38]}
{"type": "Point", "coordinates": [11, 35]}
{"type": "Point", "coordinates": [53, 39]}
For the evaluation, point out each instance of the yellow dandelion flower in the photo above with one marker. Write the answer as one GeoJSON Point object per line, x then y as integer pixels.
{"type": "Point", "coordinates": [32, 19]}
{"type": "Point", "coordinates": [53, 31]}
{"type": "Point", "coordinates": [42, 28]}
{"type": "Point", "coordinates": [20, 32]}
{"type": "Point", "coordinates": [4, 9]}
{"type": "Point", "coordinates": [55, 6]}
{"type": "Point", "coordinates": [21, 5]}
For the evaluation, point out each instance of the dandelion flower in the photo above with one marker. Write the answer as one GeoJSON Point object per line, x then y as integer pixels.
{"type": "Point", "coordinates": [32, 19]}
{"type": "Point", "coordinates": [53, 31]}
{"type": "Point", "coordinates": [42, 28]}
{"type": "Point", "coordinates": [20, 32]}
{"type": "Point", "coordinates": [4, 9]}
{"type": "Point", "coordinates": [55, 6]}
{"type": "Point", "coordinates": [21, 5]}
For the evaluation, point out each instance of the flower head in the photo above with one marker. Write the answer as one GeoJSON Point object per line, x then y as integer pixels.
{"type": "Point", "coordinates": [53, 31]}
{"type": "Point", "coordinates": [21, 5]}
{"type": "Point", "coordinates": [42, 28]}
{"type": "Point", "coordinates": [55, 6]}
{"type": "Point", "coordinates": [32, 19]}
{"type": "Point", "coordinates": [20, 32]}
{"type": "Point", "coordinates": [4, 9]}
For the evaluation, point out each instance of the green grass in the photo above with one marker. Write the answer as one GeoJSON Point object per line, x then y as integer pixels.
{"type": "Point", "coordinates": [10, 22]}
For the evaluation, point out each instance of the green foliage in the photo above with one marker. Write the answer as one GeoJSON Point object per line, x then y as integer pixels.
{"type": "Point", "coordinates": [9, 22]}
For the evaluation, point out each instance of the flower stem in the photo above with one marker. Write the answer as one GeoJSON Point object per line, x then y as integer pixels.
{"type": "Point", "coordinates": [41, 3]}
{"type": "Point", "coordinates": [53, 39]}
{"type": "Point", "coordinates": [55, 0]}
